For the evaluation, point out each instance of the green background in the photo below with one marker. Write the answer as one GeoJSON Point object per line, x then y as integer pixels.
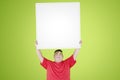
{"type": "Point", "coordinates": [98, 59]}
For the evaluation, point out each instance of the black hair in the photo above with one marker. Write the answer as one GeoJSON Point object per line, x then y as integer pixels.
{"type": "Point", "coordinates": [58, 50]}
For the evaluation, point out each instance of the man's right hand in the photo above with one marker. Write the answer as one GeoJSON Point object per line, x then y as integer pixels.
{"type": "Point", "coordinates": [38, 52]}
{"type": "Point", "coordinates": [36, 44]}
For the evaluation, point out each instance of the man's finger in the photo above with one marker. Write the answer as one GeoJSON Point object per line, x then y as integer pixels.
{"type": "Point", "coordinates": [80, 42]}
{"type": "Point", "coordinates": [36, 42]}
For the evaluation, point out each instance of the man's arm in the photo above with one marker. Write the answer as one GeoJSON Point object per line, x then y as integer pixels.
{"type": "Point", "coordinates": [76, 51]}
{"type": "Point", "coordinates": [39, 53]}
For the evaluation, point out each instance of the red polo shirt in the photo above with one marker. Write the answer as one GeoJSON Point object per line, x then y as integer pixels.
{"type": "Point", "coordinates": [58, 71]}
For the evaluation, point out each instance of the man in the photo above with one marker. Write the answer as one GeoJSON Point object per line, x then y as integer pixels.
{"type": "Point", "coordinates": [58, 69]}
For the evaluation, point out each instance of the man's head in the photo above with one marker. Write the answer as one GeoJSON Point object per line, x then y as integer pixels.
{"type": "Point", "coordinates": [58, 56]}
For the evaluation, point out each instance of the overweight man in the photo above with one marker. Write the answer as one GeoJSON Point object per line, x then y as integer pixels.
{"type": "Point", "coordinates": [58, 69]}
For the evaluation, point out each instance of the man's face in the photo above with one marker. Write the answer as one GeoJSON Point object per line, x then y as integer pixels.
{"type": "Point", "coordinates": [58, 56]}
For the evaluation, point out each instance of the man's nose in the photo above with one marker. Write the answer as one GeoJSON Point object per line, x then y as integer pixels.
{"type": "Point", "coordinates": [58, 55]}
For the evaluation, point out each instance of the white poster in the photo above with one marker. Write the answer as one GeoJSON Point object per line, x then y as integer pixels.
{"type": "Point", "coordinates": [58, 25]}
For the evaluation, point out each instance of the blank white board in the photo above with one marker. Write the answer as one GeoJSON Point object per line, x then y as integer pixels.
{"type": "Point", "coordinates": [58, 25]}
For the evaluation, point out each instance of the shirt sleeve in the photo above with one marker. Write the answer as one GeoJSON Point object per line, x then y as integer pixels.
{"type": "Point", "coordinates": [45, 63]}
{"type": "Point", "coordinates": [70, 61]}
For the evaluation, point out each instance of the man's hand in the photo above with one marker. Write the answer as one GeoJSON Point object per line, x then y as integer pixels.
{"type": "Point", "coordinates": [77, 51]}
{"type": "Point", "coordinates": [80, 42]}
{"type": "Point", "coordinates": [39, 52]}
{"type": "Point", "coordinates": [36, 44]}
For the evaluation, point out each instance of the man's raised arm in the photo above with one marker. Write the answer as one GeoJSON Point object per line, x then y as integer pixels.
{"type": "Point", "coordinates": [39, 52]}
{"type": "Point", "coordinates": [76, 51]}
